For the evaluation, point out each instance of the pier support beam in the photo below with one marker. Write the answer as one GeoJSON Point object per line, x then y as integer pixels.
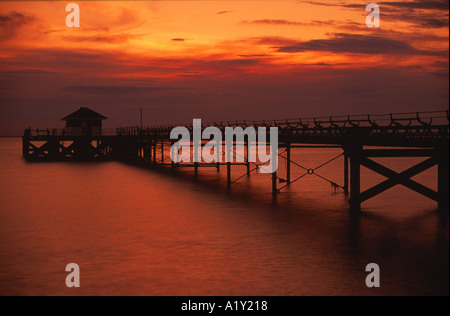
{"type": "Point", "coordinates": [346, 162]}
{"type": "Point", "coordinates": [443, 181]}
{"type": "Point", "coordinates": [196, 169]}
{"type": "Point", "coordinates": [172, 156]}
{"type": "Point", "coordinates": [247, 158]}
{"type": "Point", "coordinates": [229, 174]}
{"type": "Point", "coordinates": [148, 149]}
{"type": "Point", "coordinates": [355, 152]}
{"type": "Point", "coordinates": [288, 162]}
{"type": "Point", "coordinates": [274, 183]}
{"type": "Point", "coordinates": [219, 155]}
{"type": "Point", "coordinates": [154, 152]}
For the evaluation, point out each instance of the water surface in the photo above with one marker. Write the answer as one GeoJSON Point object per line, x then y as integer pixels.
{"type": "Point", "coordinates": [135, 231]}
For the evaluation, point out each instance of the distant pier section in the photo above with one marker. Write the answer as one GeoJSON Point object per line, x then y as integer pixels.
{"type": "Point", "coordinates": [361, 138]}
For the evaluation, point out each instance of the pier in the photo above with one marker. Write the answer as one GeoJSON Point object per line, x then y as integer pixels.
{"type": "Point", "coordinates": [361, 138]}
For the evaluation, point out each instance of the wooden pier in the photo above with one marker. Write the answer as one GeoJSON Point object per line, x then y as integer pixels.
{"type": "Point", "coordinates": [361, 139]}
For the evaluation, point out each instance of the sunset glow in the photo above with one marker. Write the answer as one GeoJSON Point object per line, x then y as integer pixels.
{"type": "Point", "coordinates": [219, 60]}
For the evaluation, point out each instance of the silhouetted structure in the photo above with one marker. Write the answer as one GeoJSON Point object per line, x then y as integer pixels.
{"type": "Point", "coordinates": [361, 138]}
{"type": "Point", "coordinates": [84, 122]}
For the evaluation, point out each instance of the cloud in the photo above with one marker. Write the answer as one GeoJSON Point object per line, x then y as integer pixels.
{"type": "Point", "coordinates": [254, 55]}
{"type": "Point", "coordinates": [29, 72]}
{"type": "Point", "coordinates": [273, 22]}
{"type": "Point", "coordinates": [224, 12]}
{"type": "Point", "coordinates": [270, 41]}
{"type": "Point", "coordinates": [434, 23]}
{"type": "Point", "coordinates": [11, 22]}
{"type": "Point", "coordinates": [359, 44]}
{"type": "Point", "coordinates": [428, 14]}
{"type": "Point", "coordinates": [116, 89]}
{"type": "Point", "coordinates": [442, 5]}
{"type": "Point", "coordinates": [102, 38]}
{"type": "Point", "coordinates": [178, 39]}
{"type": "Point", "coordinates": [290, 23]}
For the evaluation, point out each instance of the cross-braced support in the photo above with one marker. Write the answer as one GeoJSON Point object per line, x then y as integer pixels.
{"type": "Point", "coordinates": [307, 171]}
{"type": "Point", "coordinates": [54, 149]}
{"type": "Point", "coordinates": [362, 157]}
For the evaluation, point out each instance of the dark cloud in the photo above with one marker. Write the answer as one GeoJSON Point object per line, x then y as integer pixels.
{"type": "Point", "coordinates": [434, 23]}
{"type": "Point", "coordinates": [441, 64]}
{"type": "Point", "coordinates": [224, 12]}
{"type": "Point", "coordinates": [116, 90]}
{"type": "Point", "coordinates": [290, 23]}
{"type": "Point", "coordinates": [103, 38]}
{"type": "Point", "coordinates": [359, 44]}
{"type": "Point", "coordinates": [178, 39]}
{"type": "Point", "coordinates": [428, 14]}
{"type": "Point", "coordinates": [254, 55]}
{"type": "Point", "coordinates": [229, 64]}
{"type": "Point", "coordinates": [29, 72]}
{"type": "Point", "coordinates": [273, 22]}
{"type": "Point", "coordinates": [270, 40]}
{"type": "Point", "coordinates": [11, 22]}
{"type": "Point", "coordinates": [442, 5]}
{"type": "Point", "coordinates": [14, 18]}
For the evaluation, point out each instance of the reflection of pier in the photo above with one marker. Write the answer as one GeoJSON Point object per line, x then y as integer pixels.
{"type": "Point", "coordinates": [361, 138]}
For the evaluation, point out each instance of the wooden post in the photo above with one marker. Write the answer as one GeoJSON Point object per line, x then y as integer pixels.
{"type": "Point", "coordinates": [154, 151]}
{"type": "Point", "coordinates": [247, 158]}
{"type": "Point", "coordinates": [172, 156]}
{"type": "Point", "coordinates": [149, 150]}
{"type": "Point", "coordinates": [346, 158]}
{"type": "Point", "coordinates": [443, 181]}
{"type": "Point", "coordinates": [355, 178]}
{"type": "Point", "coordinates": [219, 155]}
{"type": "Point", "coordinates": [274, 183]}
{"type": "Point", "coordinates": [288, 161]}
{"type": "Point", "coordinates": [26, 144]}
{"type": "Point", "coordinates": [229, 174]}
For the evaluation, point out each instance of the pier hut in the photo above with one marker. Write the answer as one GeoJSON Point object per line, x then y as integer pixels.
{"type": "Point", "coordinates": [84, 122]}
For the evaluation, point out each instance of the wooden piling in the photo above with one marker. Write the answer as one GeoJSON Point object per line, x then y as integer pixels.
{"type": "Point", "coordinates": [274, 183]}
{"type": "Point", "coordinates": [346, 163]}
{"type": "Point", "coordinates": [229, 174]}
{"type": "Point", "coordinates": [443, 179]}
{"type": "Point", "coordinates": [288, 162]}
{"type": "Point", "coordinates": [355, 178]}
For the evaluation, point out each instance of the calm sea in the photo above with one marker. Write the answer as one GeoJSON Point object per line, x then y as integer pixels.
{"type": "Point", "coordinates": [135, 231]}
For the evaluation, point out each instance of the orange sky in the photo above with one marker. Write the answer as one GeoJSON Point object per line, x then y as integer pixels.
{"type": "Point", "coordinates": [219, 60]}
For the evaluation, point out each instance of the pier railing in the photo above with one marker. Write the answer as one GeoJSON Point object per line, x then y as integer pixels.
{"type": "Point", "coordinates": [423, 124]}
{"type": "Point", "coordinates": [418, 119]}
{"type": "Point", "coordinates": [410, 127]}
{"type": "Point", "coordinates": [61, 132]}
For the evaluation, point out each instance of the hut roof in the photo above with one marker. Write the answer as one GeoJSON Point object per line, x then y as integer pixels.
{"type": "Point", "coordinates": [84, 114]}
